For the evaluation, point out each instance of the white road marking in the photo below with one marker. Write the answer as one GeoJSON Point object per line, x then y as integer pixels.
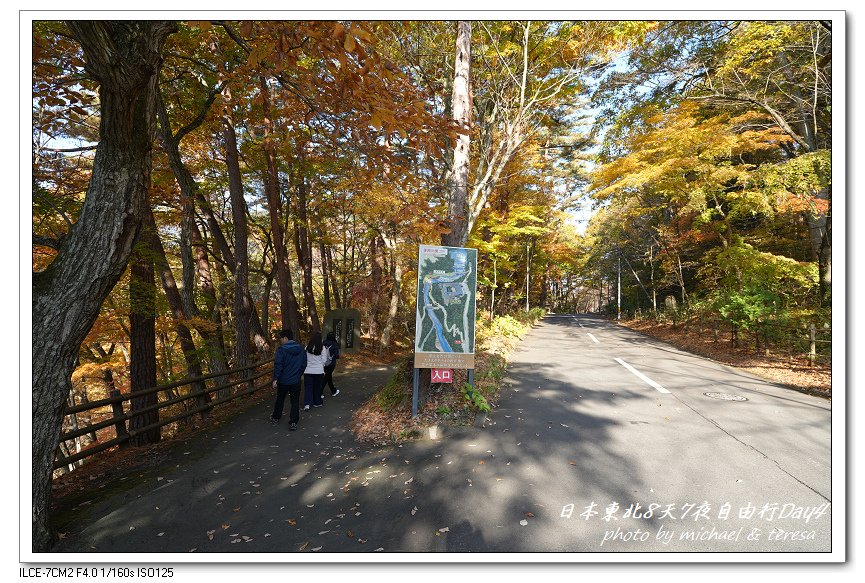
{"type": "Point", "coordinates": [577, 321]}
{"type": "Point", "coordinates": [648, 381]}
{"type": "Point", "coordinates": [593, 337]}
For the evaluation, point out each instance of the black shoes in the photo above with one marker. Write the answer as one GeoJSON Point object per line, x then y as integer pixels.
{"type": "Point", "coordinates": [335, 394]}
{"type": "Point", "coordinates": [274, 421]}
{"type": "Point", "coordinates": [292, 427]}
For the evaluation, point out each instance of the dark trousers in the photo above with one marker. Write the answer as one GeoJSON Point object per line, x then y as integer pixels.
{"type": "Point", "coordinates": [328, 377]}
{"type": "Point", "coordinates": [293, 391]}
{"type": "Point", "coordinates": [313, 389]}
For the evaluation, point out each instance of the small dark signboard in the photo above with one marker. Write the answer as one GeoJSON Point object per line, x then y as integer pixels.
{"type": "Point", "coordinates": [345, 324]}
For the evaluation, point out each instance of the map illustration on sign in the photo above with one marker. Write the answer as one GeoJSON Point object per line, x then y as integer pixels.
{"type": "Point", "coordinates": [445, 318]}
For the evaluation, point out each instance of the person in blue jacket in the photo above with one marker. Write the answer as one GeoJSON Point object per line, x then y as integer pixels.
{"type": "Point", "coordinates": [288, 367]}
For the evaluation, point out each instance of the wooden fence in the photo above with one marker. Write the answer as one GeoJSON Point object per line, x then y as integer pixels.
{"type": "Point", "coordinates": [118, 417]}
{"type": "Point", "coordinates": [777, 340]}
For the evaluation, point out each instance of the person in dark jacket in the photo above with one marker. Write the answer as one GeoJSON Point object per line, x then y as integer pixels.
{"type": "Point", "coordinates": [333, 346]}
{"type": "Point", "coordinates": [288, 366]}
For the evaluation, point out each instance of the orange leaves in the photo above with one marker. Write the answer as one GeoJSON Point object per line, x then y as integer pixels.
{"type": "Point", "coordinates": [349, 38]}
{"type": "Point", "coordinates": [202, 25]}
{"type": "Point", "coordinates": [349, 43]}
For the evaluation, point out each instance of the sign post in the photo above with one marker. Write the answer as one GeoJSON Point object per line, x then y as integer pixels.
{"type": "Point", "coordinates": [446, 311]}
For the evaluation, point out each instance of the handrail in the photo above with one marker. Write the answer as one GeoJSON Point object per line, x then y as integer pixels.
{"type": "Point", "coordinates": [131, 433]}
{"type": "Point", "coordinates": [188, 381]}
{"type": "Point", "coordinates": [138, 412]}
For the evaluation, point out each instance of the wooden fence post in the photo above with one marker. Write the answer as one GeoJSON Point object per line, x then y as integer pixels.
{"type": "Point", "coordinates": [812, 355]}
{"type": "Point", "coordinates": [117, 411]}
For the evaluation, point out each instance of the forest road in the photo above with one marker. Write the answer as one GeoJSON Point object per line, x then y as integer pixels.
{"type": "Point", "coordinates": [603, 441]}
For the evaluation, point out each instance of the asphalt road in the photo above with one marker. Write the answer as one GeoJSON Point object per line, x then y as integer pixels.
{"type": "Point", "coordinates": [603, 441]}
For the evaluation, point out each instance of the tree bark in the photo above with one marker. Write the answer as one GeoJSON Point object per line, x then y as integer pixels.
{"type": "Point", "coordinates": [377, 275]}
{"type": "Point", "coordinates": [178, 310]}
{"type": "Point", "coordinates": [396, 279]}
{"type": "Point", "coordinates": [142, 338]}
{"type": "Point", "coordinates": [459, 175]}
{"type": "Point", "coordinates": [287, 301]}
{"type": "Point", "coordinates": [303, 248]}
{"type": "Point", "coordinates": [228, 258]}
{"type": "Point", "coordinates": [325, 272]}
{"type": "Point", "coordinates": [242, 305]}
{"type": "Point", "coordinates": [193, 255]}
{"type": "Point", "coordinates": [124, 57]}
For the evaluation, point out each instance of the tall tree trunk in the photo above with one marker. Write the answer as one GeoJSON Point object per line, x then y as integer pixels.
{"type": "Point", "coordinates": [178, 310]}
{"type": "Point", "coordinates": [396, 279]}
{"type": "Point", "coordinates": [213, 340]}
{"type": "Point", "coordinates": [242, 307]}
{"type": "Point", "coordinates": [325, 272]}
{"type": "Point", "coordinates": [265, 300]}
{"type": "Point", "coordinates": [287, 301]}
{"type": "Point", "coordinates": [224, 250]}
{"type": "Point", "coordinates": [303, 248]}
{"type": "Point", "coordinates": [193, 250]}
{"type": "Point", "coordinates": [377, 275]}
{"type": "Point", "coordinates": [142, 338]}
{"type": "Point", "coordinates": [124, 57]}
{"type": "Point", "coordinates": [459, 174]}
{"type": "Point", "coordinates": [820, 235]}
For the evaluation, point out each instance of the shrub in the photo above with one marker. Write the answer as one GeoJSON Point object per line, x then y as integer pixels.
{"type": "Point", "coordinates": [475, 398]}
{"type": "Point", "coordinates": [506, 326]}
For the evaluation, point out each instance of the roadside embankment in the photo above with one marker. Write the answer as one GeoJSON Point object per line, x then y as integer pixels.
{"type": "Point", "coordinates": [793, 372]}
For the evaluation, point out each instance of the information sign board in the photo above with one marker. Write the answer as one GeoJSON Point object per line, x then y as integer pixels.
{"type": "Point", "coordinates": [446, 307]}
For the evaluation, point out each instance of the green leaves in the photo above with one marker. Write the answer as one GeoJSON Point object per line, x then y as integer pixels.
{"type": "Point", "coordinates": [475, 398]}
{"type": "Point", "coordinates": [747, 284]}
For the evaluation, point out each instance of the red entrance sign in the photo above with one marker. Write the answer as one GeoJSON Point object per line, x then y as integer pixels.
{"type": "Point", "coordinates": [441, 375]}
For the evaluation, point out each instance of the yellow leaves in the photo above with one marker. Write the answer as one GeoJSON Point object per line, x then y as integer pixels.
{"type": "Point", "coordinates": [682, 151]}
{"type": "Point", "coordinates": [349, 43]}
{"type": "Point", "coordinates": [361, 34]}
{"type": "Point", "coordinates": [87, 371]}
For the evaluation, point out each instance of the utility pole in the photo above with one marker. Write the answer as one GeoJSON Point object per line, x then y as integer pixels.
{"type": "Point", "coordinates": [619, 293]}
{"type": "Point", "coordinates": [528, 274]}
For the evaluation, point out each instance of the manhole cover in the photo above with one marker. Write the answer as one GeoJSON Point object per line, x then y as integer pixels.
{"type": "Point", "coordinates": [725, 396]}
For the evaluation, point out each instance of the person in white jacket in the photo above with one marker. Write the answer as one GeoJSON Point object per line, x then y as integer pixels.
{"type": "Point", "coordinates": [317, 357]}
